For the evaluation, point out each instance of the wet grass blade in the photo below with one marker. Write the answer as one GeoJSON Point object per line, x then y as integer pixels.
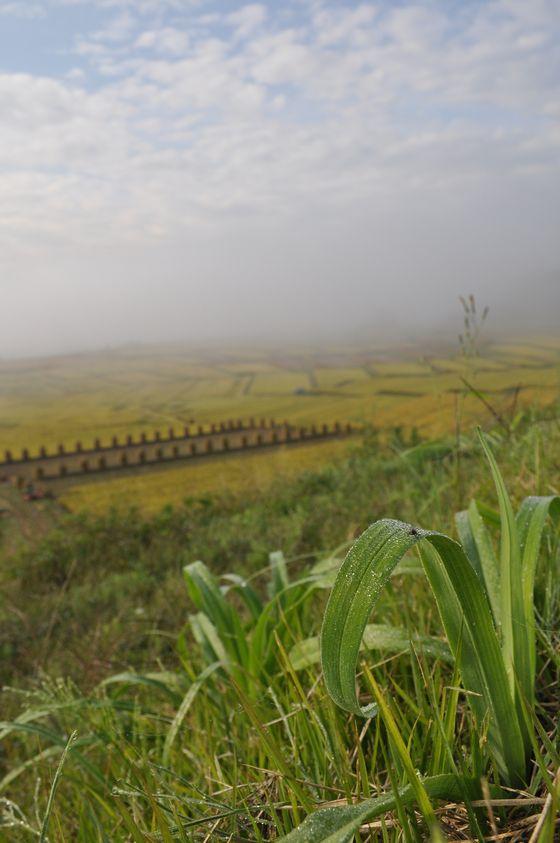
{"type": "Point", "coordinates": [465, 614]}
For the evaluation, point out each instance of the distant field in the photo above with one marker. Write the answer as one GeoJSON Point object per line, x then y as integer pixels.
{"type": "Point", "coordinates": [150, 490]}
{"type": "Point", "coordinates": [128, 391]}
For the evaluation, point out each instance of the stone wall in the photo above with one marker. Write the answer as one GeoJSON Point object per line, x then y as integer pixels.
{"type": "Point", "coordinates": [160, 447]}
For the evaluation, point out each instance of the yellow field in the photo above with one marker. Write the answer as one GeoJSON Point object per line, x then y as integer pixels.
{"type": "Point", "coordinates": [44, 402]}
{"type": "Point", "coordinates": [150, 490]}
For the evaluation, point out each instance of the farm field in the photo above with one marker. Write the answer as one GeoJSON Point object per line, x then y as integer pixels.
{"type": "Point", "coordinates": [130, 391]}
{"type": "Point", "coordinates": [148, 489]}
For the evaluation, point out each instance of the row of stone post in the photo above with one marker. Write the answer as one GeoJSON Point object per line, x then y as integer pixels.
{"type": "Point", "coordinates": [291, 434]}
{"type": "Point", "coordinates": [222, 427]}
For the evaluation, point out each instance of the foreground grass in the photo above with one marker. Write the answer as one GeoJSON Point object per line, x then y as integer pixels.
{"type": "Point", "coordinates": [232, 734]}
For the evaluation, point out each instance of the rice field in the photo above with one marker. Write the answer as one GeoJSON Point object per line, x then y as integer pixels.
{"type": "Point", "coordinates": [148, 489]}
{"type": "Point", "coordinates": [129, 391]}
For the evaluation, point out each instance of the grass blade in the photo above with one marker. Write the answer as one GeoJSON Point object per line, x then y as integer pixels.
{"type": "Point", "coordinates": [530, 522]}
{"type": "Point", "coordinates": [478, 547]}
{"type": "Point", "coordinates": [54, 787]}
{"type": "Point", "coordinates": [465, 614]}
{"type": "Point", "coordinates": [184, 708]}
{"type": "Point", "coordinates": [515, 643]}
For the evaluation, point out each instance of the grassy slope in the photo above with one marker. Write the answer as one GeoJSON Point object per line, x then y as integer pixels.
{"type": "Point", "coordinates": [254, 752]}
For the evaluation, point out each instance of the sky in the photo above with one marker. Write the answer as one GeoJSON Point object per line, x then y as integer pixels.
{"type": "Point", "coordinates": [190, 170]}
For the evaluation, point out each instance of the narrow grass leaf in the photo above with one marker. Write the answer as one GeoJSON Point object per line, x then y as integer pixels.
{"type": "Point", "coordinates": [184, 708]}
{"type": "Point", "coordinates": [515, 643]}
{"type": "Point", "coordinates": [530, 521]}
{"type": "Point", "coordinates": [54, 787]}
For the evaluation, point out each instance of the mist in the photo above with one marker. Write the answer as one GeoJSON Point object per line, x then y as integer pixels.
{"type": "Point", "coordinates": [324, 173]}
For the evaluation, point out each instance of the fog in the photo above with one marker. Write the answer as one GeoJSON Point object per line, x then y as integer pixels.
{"type": "Point", "coordinates": [243, 173]}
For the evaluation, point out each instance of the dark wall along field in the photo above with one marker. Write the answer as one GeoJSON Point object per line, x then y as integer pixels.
{"type": "Point", "coordinates": [233, 436]}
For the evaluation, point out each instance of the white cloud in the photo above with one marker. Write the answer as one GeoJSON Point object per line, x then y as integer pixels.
{"type": "Point", "coordinates": [354, 97]}
{"type": "Point", "coordinates": [118, 29]}
{"type": "Point", "coordinates": [165, 128]}
{"type": "Point", "coordinates": [247, 19]}
{"type": "Point", "coordinates": [165, 40]}
{"type": "Point", "coordinates": [22, 9]}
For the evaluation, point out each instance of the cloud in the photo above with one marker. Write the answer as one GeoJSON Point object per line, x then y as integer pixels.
{"type": "Point", "coordinates": [165, 40]}
{"type": "Point", "coordinates": [419, 137]}
{"type": "Point", "coordinates": [247, 19]}
{"type": "Point", "coordinates": [22, 9]}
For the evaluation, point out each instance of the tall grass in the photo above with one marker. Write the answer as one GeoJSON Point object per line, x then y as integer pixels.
{"type": "Point", "coordinates": [243, 738]}
{"type": "Point", "coordinates": [488, 613]}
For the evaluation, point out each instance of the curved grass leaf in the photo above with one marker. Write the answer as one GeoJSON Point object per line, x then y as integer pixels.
{"type": "Point", "coordinates": [465, 614]}
{"type": "Point", "coordinates": [208, 598]}
{"type": "Point", "coordinates": [246, 592]}
{"type": "Point", "coordinates": [164, 681]}
{"type": "Point", "coordinates": [392, 639]}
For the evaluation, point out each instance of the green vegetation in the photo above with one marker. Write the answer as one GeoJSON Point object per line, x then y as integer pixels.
{"type": "Point", "coordinates": [198, 708]}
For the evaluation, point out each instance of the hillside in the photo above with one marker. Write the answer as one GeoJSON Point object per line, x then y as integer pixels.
{"type": "Point", "coordinates": [169, 615]}
{"type": "Point", "coordinates": [99, 599]}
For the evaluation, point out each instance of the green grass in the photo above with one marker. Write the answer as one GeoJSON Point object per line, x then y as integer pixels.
{"type": "Point", "coordinates": [209, 717]}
